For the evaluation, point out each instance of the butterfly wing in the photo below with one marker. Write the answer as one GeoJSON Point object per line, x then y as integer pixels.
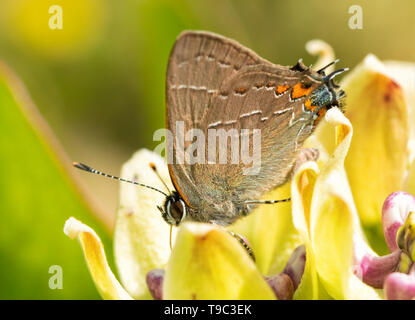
{"type": "Point", "coordinates": [259, 97]}
{"type": "Point", "coordinates": [198, 64]}
{"type": "Point", "coordinates": [215, 83]}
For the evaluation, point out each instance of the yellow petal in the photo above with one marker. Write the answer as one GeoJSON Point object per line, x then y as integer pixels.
{"type": "Point", "coordinates": [310, 191]}
{"type": "Point", "coordinates": [324, 52]}
{"type": "Point", "coordinates": [403, 73]}
{"type": "Point", "coordinates": [107, 285]}
{"type": "Point", "coordinates": [361, 291]}
{"type": "Point", "coordinates": [141, 239]}
{"type": "Point", "coordinates": [302, 192]}
{"type": "Point", "coordinates": [333, 244]}
{"type": "Point", "coordinates": [308, 288]}
{"type": "Point", "coordinates": [208, 263]}
{"type": "Point", "coordinates": [378, 155]}
{"type": "Point", "coordinates": [302, 188]}
{"type": "Point", "coordinates": [410, 181]}
{"type": "Point", "coordinates": [333, 218]}
{"type": "Point", "coordinates": [270, 232]}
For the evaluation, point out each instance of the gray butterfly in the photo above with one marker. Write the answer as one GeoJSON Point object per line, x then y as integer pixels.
{"type": "Point", "coordinates": [216, 83]}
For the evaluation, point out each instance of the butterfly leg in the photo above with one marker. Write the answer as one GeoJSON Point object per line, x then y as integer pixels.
{"type": "Point", "coordinates": [244, 243]}
{"type": "Point", "coordinates": [307, 154]}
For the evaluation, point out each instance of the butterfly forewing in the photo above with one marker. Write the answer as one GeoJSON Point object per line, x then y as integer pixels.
{"type": "Point", "coordinates": [215, 83]}
{"type": "Point", "coordinates": [198, 64]}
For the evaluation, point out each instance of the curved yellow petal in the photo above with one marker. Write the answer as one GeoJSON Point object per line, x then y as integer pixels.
{"type": "Point", "coordinates": [324, 52]}
{"type": "Point", "coordinates": [378, 155]}
{"type": "Point", "coordinates": [331, 222]}
{"type": "Point", "coordinates": [333, 244]}
{"type": "Point", "coordinates": [302, 192]}
{"type": "Point", "coordinates": [307, 187]}
{"type": "Point", "coordinates": [105, 281]}
{"type": "Point", "coordinates": [302, 187]}
{"type": "Point", "coordinates": [403, 73]}
{"type": "Point", "coordinates": [333, 218]}
{"type": "Point", "coordinates": [141, 239]}
{"type": "Point", "coordinates": [208, 263]}
{"type": "Point", "coordinates": [270, 232]}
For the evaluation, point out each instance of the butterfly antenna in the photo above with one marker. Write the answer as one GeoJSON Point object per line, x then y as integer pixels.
{"type": "Point", "coordinates": [153, 166]}
{"type": "Point", "coordinates": [84, 167]}
{"type": "Point", "coordinates": [266, 201]}
{"type": "Point", "coordinates": [334, 73]}
{"type": "Point", "coordinates": [328, 65]}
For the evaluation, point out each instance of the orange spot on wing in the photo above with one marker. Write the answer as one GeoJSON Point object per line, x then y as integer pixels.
{"type": "Point", "coordinates": [308, 106]}
{"type": "Point", "coordinates": [321, 114]}
{"type": "Point", "coordinates": [300, 90]}
{"type": "Point", "coordinates": [282, 89]}
{"type": "Point", "coordinates": [241, 90]}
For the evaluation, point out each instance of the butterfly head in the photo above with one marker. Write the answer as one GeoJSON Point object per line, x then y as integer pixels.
{"type": "Point", "coordinates": [174, 209]}
{"type": "Point", "coordinates": [325, 96]}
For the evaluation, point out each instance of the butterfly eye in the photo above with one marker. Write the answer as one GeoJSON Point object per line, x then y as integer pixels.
{"type": "Point", "coordinates": [176, 211]}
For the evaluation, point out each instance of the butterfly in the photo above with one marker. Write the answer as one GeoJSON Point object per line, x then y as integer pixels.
{"type": "Point", "coordinates": [216, 83]}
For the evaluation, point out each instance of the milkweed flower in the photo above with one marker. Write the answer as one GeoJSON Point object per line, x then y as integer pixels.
{"type": "Point", "coordinates": [206, 261]}
{"type": "Point", "coordinates": [312, 248]}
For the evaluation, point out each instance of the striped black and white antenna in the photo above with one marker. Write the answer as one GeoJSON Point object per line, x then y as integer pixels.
{"type": "Point", "coordinates": [86, 168]}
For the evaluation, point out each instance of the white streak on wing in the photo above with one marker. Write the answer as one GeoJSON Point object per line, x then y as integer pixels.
{"type": "Point", "coordinates": [214, 124]}
{"type": "Point", "coordinates": [203, 88]}
{"type": "Point", "coordinates": [244, 115]}
{"type": "Point", "coordinates": [295, 99]}
{"type": "Point", "coordinates": [278, 95]}
{"type": "Point", "coordinates": [223, 64]}
{"type": "Point", "coordinates": [292, 119]}
{"type": "Point", "coordinates": [283, 111]}
{"type": "Point", "coordinates": [256, 112]}
{"type": "Point", "coordinates": [192, 87]}
{"type": "Point", "coordinates": [181, 64]}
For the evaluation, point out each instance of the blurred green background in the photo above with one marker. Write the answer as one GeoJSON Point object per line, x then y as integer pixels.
{"type": "Point", "coordinates": [99, 83]}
